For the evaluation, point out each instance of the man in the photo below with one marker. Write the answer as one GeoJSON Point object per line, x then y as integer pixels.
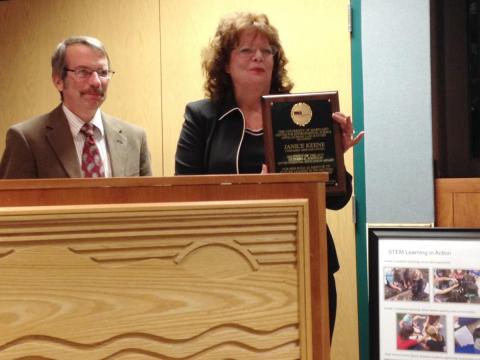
{"type": "Point", "coordinates": [76, 139]}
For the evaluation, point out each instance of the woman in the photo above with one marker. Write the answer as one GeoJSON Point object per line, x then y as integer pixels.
{"type": "Point", "coordinates": [418, 286]}
{"type": "Point", "coordinates": [406, 340]}
{"type": "Point", "coordinates": [436, 342]}
{"type": "Point", "coordinates": [223, 134]}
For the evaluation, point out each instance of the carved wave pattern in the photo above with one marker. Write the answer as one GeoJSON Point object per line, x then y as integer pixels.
{"type": "Point", "coordinates": [173, 275]}
{"type": "Point", "coordinates": [6, 252]}
{"type": "Point", "coordinates": [221, 342]}
{"type": "Point", "coordinates": [262, 241]}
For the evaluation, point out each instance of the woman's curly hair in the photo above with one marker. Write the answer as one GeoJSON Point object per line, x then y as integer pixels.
{"type": "Point", "coordinates": [215, 57]}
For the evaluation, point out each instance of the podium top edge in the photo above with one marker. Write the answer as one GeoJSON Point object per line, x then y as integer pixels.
{"type": "Point", "coordinates": [148, 181]}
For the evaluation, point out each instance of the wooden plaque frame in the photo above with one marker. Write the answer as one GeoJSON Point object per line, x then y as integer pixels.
{"type": "Point", "coordinates": [327, 153]}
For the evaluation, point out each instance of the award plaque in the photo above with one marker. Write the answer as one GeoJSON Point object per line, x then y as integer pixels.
{"type": "Point", "coordinates": [301, 136]}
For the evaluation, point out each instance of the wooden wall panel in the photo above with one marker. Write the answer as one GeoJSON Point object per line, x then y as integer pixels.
{"type": "Point", "coordinates": [313, 33]}
{"type": "Point", "coordinates": [155, 48]}
{"type": "Point", "coordinates": [30, 31]}
{"type": "Point", "coordinates": [466, 210]}
{"type": "Point", "coordinates": [457, 202]}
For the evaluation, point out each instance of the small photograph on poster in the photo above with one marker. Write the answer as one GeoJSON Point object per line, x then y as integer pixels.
{"type": "Point", "coordinates": [456, 285]}
{"type": "Point", "coordinates": [406, 284]}
{"type": "Point", "coordinates": [421, 332]}
{"type": "Point", "coordinates": [467, 335]}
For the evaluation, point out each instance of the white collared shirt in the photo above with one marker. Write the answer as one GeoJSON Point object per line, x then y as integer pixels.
{"type": "Point", "coordinates": [76, 124]}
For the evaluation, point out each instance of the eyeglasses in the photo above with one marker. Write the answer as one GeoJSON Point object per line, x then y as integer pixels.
{"type": "Point", "coordinates": [248, 52]}
{"type": "Point", "coordinates": [84, 73]}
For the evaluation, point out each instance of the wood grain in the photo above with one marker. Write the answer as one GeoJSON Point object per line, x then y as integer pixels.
{"type": "Point", "coordinates": [155, 48]}
{"type": "Point", "coordinates": [58, 301]}
{"type": "Point", "coordinates": [457, 202]}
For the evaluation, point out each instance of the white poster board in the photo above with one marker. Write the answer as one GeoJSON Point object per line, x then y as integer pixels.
{"type": "Point", "coordinates": [424, 293]}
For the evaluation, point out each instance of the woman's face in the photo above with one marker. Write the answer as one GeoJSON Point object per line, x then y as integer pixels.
{"type": "Point", "coordinates": [251, 63]}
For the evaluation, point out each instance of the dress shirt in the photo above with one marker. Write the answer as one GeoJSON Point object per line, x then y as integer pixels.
{"type": "Point", "coordinates": [76, 124]}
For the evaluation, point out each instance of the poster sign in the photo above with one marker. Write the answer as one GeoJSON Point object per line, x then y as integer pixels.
{"type": "Point", "coordinates": [424, 293]}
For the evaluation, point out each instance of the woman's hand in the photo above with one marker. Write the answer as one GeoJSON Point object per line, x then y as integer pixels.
{"type": "Point", "coordinates": [348, 138]}
{"type": "Point", "coordinates": [264, 169]}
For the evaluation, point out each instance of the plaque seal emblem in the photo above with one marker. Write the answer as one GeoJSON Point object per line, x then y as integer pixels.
{"type": "Point", "coordinates": [301, 113]}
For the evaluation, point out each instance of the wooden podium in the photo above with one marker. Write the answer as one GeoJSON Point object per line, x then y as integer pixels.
{"type": "Point", "coordinates": [197, 267]}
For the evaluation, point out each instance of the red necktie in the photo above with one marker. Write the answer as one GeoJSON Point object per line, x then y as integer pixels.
{"type": "Point", "coordinates": [92, 165]}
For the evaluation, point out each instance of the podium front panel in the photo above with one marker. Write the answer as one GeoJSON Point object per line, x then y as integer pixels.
{"type": "Point", "coordinates": [191, 280]}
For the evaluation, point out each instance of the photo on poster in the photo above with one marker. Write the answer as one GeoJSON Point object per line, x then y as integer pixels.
{"type": "Point", "coordinates": [421, 332]}
{"type": "Point", "coordinates": [406, 284]}
{"type": "Point", "coordinates": [456, 285]}
{"type": "Point", "coordinates": [467, 335]}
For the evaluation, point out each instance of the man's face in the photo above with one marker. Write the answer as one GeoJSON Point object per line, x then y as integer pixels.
{"type": "Point", "coordinates": [83, 96]}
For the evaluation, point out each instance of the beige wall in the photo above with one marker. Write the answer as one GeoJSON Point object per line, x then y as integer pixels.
{"type": "Point", "coordinates": [155, 49]}
{"type": "Point", "coordinates": [30, 31]}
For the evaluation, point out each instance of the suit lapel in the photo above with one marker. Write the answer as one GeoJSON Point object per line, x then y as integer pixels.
{"type": "Point", "coordinates": [117, 145]}
{"type": "Point", "coordinates": [59, 136]}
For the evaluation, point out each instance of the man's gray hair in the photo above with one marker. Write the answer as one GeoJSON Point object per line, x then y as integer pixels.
{"type": "Point", "coordinates": [59, 55]}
